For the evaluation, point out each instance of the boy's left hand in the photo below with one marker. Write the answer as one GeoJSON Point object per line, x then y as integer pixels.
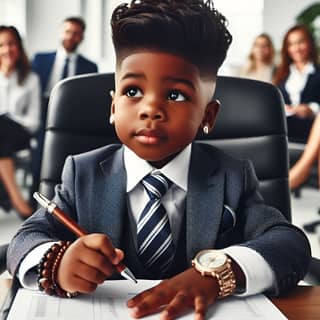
{"type": "Point", "coordinates": [188, 290]}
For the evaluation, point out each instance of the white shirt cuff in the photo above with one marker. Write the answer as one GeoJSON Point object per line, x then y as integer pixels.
{"type": "Point", "coordinates": [26, 273]}
{"type": "Point", "coordinates": [259, 275]}
{"type": "Point", "coordinates": [314, 106]}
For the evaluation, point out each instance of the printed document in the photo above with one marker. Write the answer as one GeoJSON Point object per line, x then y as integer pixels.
{"type": "Point", "coordinates": [109, 302]}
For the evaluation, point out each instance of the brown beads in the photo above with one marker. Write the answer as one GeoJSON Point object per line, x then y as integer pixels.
{"type": "Point", "coordinates": [48, 270]}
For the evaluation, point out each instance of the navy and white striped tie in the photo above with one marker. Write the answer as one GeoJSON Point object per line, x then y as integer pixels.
{"type": "Point", "coordinates": [154, 238]}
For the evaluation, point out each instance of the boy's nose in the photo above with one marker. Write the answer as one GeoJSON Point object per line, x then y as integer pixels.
{"type": "Point", "coordinates": [151, 112]}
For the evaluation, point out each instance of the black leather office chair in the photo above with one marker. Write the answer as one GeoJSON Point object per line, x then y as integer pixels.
{"type": "Point", "coordinates": [251, 124]}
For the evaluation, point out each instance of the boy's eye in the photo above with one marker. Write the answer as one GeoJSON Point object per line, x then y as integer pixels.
{"type": "Point", "coordinates": [134, 92]}
{"type": "Point", "coordinates": [176, 95]}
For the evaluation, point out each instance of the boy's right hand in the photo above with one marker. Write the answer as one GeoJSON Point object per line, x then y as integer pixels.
{"type": "Point", "coordinates": [88, 262]}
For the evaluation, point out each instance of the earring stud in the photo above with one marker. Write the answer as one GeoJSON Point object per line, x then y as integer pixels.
{"type": "Point", "coordinates": [206, 129]}
{"type": "Point", "coordinates": [111, 119]}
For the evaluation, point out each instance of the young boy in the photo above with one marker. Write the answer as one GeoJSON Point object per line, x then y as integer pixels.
{"type": "Point", "coordinates": [168, 53]}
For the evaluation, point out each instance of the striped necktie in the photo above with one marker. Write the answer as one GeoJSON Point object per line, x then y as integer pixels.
{"type": "Point", "coordinates": [154, 238]}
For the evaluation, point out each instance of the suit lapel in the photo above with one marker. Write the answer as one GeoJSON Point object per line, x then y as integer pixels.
{"type": "Point", "coordinates": [113, 195]}
{"type": "Point", "coordinates": [204, 201]}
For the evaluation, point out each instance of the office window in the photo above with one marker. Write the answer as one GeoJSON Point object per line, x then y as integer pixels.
{"type": "Point", "coordinates": [13, 12]}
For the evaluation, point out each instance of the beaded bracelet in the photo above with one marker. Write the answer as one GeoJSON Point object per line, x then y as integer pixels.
{"type": "Point", "coordinates": [48, 270]}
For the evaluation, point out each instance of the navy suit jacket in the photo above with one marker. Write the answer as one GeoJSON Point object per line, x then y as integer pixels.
{"type": "Point", "coordinates": [310, 93]}
{"type": "Point", "coordinates": [93, 192]}
{"type": "Point", "coordinates": [43, 62]}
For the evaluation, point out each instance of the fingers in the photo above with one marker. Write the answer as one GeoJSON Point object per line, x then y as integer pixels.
{"type": "Point", "coordinates": [97, 260]}
{"type": "Point", "coordinates": [90, 274]}
{"type": "Point", "coordinates": [178, 305]}
{"type": "Point", "coordinates": [149, 301]}
{"type": "Point", "coordinates": [80, 285]}
{"type": "Point", "coordinates": [200, 307]}
{"type": "Point", "coordinates": [102, 243]}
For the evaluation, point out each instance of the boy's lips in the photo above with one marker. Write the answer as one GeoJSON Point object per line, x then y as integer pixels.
{"type": "Point", "coordinates": [150, 136]}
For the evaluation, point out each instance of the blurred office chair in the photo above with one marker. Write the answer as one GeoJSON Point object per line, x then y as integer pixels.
{"type": "Point", "coordinates": [251, 124]}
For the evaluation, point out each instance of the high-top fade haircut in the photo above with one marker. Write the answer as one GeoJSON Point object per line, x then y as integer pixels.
{"type": "Point", "coordinates": [191, 29]}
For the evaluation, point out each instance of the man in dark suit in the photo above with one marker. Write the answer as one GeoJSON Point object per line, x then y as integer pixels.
{"type": "Point", "coordinates": [53, 67]}
{"type": "Point", "coordinates": [50, 65]}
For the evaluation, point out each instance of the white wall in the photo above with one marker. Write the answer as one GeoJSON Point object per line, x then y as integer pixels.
{"type": "Point", "coordinates": [43, 22]}
{"type": "Point", "coordinates": [279, 16]}
{"type": "Point", "coordinates": [44, 17]}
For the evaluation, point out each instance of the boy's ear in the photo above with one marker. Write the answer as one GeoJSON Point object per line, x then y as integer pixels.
{"type": "Point", "coordinates": [210, 115]}
{"type": "Point", "coordinates": [112, 110]}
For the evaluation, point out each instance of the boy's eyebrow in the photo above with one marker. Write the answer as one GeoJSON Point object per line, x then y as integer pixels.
{"type": "Point", "coordinates": [133, 75]}
{"type": "Point", "coordinates": [181, 80]}
{"type": "Point", "coordinates": [171, 79]}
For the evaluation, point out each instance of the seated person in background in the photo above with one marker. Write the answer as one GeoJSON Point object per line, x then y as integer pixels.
{"type": "Point", "coordinates": [299, 173]}
{"type": "Point", "coordinates": [298, 78]}
{"type": "Point", "coordinates": [20, 101]}
{"type": "Point", "coordinates": [160, 183]}
{"type": "Point", "coordinates": [53, 67]}
{"type": "Point", "coordinates": [260, 64]}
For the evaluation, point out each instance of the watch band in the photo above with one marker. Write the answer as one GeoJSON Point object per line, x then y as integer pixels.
{"type": "Point", "coordinates": [226, 280]}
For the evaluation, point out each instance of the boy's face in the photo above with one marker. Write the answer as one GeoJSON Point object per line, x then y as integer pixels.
{"type": "Point", "coordinates": [159, 105]}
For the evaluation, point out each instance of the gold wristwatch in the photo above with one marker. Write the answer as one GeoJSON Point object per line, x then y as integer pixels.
{"type": "Point", "coordinates": [215, 263]}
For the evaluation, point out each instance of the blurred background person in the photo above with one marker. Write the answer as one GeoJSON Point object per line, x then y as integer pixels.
{"type": "Point", "coordinates": [260, 64]}
{"type": "Point", "coordinates": [300, 172]}
{"type": "Point", "coordinates": [19, 101]}
{"type": "Point", "coordinates": [53, 67]}
{"type": "Point", "coordinates": [65, 61]}
{"type": "Point", "coordinates": [298, 78]}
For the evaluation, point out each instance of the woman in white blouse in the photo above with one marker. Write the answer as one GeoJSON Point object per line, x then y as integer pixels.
{"type": "Point", "coordinates": [298, 78]}
{"type": "Point", "coordinates": [19, 101]}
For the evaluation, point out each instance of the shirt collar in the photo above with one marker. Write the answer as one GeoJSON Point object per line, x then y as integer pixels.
{"type": "Point", "coordinates": [309, 68]}
{"type": "Point", "coordinates": [63, 54]}
{"type": "Point", "coordinates": [176, 170]}
{"type": "Point", "coordinates": [13, 77]}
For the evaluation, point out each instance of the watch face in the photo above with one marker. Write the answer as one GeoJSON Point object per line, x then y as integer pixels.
{"type": "Point", "coordinates": [211, 259]}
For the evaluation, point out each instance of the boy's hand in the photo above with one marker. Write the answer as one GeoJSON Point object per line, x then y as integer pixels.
{"type": "Point", "coordinates": [87, 263]}
{"type": "Point", "coordinates": [188, 290]}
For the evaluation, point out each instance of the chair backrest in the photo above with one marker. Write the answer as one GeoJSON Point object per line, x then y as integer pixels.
{"type": "Point", "coordinates": [251, 124]}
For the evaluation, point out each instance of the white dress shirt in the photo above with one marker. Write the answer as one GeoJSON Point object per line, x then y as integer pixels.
{"type": "Point", "coordinates": [58, 65]}
{"type": "Point", "coordinates": [296, 82]}
{"type": "Point", "coordinates": [259, 275]}
{"type": "Point", "coordinates": [21, 102]}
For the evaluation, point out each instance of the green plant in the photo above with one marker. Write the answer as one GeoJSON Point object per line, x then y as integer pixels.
{"type": "Point", "coordinates": [311, 18]}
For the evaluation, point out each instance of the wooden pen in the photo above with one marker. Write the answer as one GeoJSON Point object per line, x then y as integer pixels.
{"type": "Point", "coordinates": [52, 208]}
